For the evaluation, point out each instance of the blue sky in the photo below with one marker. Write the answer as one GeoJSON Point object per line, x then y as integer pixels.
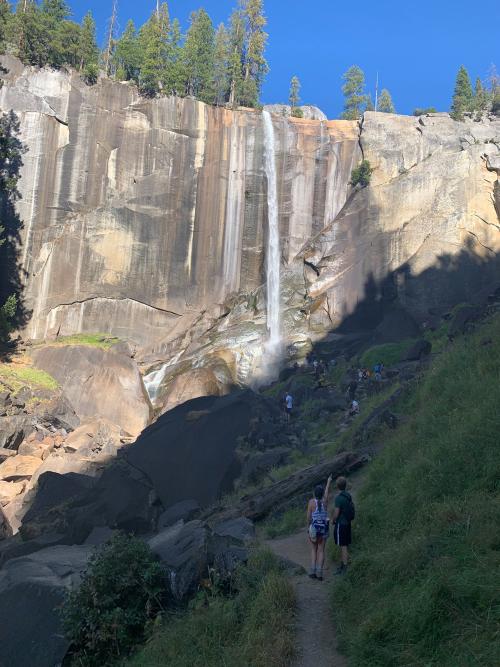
{"type": "Point", "coordinates": [416, 48]}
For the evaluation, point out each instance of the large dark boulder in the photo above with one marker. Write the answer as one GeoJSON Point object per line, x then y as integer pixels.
{"type": "Point", "coordinates": [32, 589]}
{"type": "Point", "coordinates": [418, 350]}
{"type": "Point", "coordinates": [462, 318]}
{"type": "Point", "coordinates": [190, 452]}
{"type": "Point", "coordinates": [182, 550]}
{"type": "Point", "coordinates": [397, 324]}
{"type": "Point", "coordinates": [183, 511]}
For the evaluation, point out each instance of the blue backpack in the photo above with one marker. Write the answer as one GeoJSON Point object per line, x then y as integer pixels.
{"type": "Point", "coordinates": [320, 523]}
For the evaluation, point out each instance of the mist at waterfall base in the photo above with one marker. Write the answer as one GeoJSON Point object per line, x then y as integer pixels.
{"type": "Point", "coordinates": [273, 347]}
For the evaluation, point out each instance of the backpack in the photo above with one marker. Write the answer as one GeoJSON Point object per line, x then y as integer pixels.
{"type": "Point", "coordinates": [349, 511]}
{"type": "Point", "coordinates": [319, 522]}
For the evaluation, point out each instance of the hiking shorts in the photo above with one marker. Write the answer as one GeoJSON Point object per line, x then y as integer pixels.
{"type": "Point", "coordinates": [342, 534]}
{"type": "Point", "coordinates": [288, 411]}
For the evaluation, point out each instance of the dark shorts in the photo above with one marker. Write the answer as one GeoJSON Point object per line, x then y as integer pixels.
{"type": "Point", "coordinates": [342, 534]}
{"type": "Point", "coordinates": [288, 411]}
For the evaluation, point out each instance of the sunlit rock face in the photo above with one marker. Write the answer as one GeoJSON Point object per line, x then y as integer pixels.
{"type": "Point", "coordinates": [425, 234]}
{"type": "Point", "coordinates": [139, 214]}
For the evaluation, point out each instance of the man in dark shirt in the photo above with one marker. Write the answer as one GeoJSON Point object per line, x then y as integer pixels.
{"type": "Point", "coordinates": [342, 519]}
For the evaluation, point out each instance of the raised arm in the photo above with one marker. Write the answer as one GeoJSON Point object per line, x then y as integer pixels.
{"type": "Point", "coordinates": [327, 491]}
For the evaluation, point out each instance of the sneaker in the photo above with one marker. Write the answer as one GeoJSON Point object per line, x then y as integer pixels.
{"type": "Point", "coordinates": [312, 575]}
{"type": "Point", "coordinates": [341, 569]}
{"type": "Point", "coordinates": [319, 577]}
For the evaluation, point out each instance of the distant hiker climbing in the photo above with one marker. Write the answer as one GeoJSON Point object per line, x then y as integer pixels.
{"type": "Point", "coordinates": [318, 528]}
{"type": "Point", "coordinates": [354, 409]}
{"type": "Point", "coordinates": [288, 400]}
{"type": "Point", "coordinates": [377, 369]}
{"type": "Point", "coordinates": [343, 515]}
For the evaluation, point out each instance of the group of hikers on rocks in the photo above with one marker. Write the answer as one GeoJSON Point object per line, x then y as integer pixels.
{"type": "Point", "coordinates": [320, 368]}
{"type": "Point", "coordinates": [318, 525]}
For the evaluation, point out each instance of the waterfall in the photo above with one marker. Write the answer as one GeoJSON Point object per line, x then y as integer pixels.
{"type": "Point", "coordinates": [273, 258]}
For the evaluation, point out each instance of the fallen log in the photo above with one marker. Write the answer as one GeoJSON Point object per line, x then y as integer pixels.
{"type": "Point", "coordinates": [258, 504]}
{"type": "Point", "coordinates": [6, 453]}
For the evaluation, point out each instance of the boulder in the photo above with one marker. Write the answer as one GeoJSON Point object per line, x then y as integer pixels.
{"type": "Point", "coordinates": [14, 429]}
{"type": "Point", "coordinates": [193, 384]}
{"type": "Point", "coordinates": [54, 493]}
{"type": "Point", "coordinates": [462, 318]}
{"type": "Point", "coordinates": [418, 350]}
{"type": "Point", "coordinates": [262, 462]}
{"type": "Point", "coordinates": [37, 449]}
{"type": "Point", "coordinates": [182, 550]}
{"type": "Point", "coordinates": [9, 490]}
{"type": "Point", "coordinates": [182, 511]}
{"type": "Point", "coordinates": [32, 589]}
{"type": "Point", "coordinates": [5, 527]}
{"type": "Point", "coordinates": [99, 437]}
{"type": "Point", "coordinates": [59, 413]}
{"type": "Point", "coordinates": [98, 383]}
{"type": "Point", "coordinates": [15, 546]}
{"type": "Point", "coordinates": [19, 467]}
{"type": "Point", "coordinates": [196, 458]}
{"type": "Point", "coordinates": [240, 529]}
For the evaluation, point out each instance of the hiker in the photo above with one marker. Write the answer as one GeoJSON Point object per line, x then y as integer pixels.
{"type": "Point", "coordinates": [316, 368]}
{"type": "Point", "coordinates": [354, 409]}
{"type": "Point", "coordinates": [288, 405]}
{"type": "Point", "coordinates": [318, 528]}
{"type": "Point", "coordinates": [343, 515]}
{"type": "Point", "coordinates": [351, 389]}
{"type": "Point", "coordinates": [377, 369]}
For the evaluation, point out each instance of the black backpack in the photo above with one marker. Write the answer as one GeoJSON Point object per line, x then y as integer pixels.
{"type": "Point", "coordinates": [349, 511]}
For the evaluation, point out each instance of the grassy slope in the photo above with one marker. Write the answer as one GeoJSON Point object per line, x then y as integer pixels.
{"type": "Point", "coordinates": [424, 586]}
{"type": "Point", "coordinates": [253, 628]}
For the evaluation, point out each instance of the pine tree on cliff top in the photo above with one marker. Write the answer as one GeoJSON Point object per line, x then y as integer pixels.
{"type": "Point", "coordinates": [463, 98]}
{"type": "Point", "coordinates": [385, 103]}
{"type": "Point", "coordinates": [153, 40]}
{"type": "Point", "coordinates": [237, 47]}
{"type": "Point", "coordinates": [255, 63]}
{"type": "Point", "coordinates": [480, 96]}
{"type": "Point", "coordinates": [222, 57]}
{"type": "Point", "coordinates": [128, 55]}
{"type": "Point", "coordinates": [198, 57]}
{"type": "Point", "coordinates": [353, 89]}
{"type": "Point", "coordinates": [87, 48]}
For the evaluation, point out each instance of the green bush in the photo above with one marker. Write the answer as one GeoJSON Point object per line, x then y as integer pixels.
{"type": "Point", "coordinates": [362, 174]}
{"type": "Point", "coordinates": [91, 74]}
{"type": "Point", "coordinates": [423, 588]}
{"type": "Point", "coordinates": [388, 354]}
{"type": "Point", "coordinates": [118, 597]}
{"type": "Point", "coordinates": [422, 111]}
{"type": "Point", "coordinates": [253, 627]}
{"type": "Point", "coordinates": [297, 112]}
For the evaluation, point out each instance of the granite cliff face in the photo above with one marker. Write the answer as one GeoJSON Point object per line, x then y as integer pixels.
{"type": "Point", "coordinates": [147, 219]}
{"type": "Point", "coordinates": [139, 213]}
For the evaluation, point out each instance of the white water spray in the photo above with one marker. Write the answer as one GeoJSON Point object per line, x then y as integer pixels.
{"type": "Point", "coordinates": [273, 258]}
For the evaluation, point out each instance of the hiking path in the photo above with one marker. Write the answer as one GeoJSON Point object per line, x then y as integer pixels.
{"type": "Point", "coordinates": [316, 635]}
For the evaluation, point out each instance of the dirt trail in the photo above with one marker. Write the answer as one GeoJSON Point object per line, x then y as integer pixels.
{"type": "Point", "coordinates": [316, 632]}
{"type": "Point", "coordinates": [316, 635]}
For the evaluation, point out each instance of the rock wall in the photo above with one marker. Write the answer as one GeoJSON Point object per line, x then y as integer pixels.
{"type": "Point", "coordinates": [139, 212]}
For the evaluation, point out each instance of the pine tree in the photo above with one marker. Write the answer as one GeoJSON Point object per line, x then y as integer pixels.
{"type": "Point", "coordinates": [463, 99]}
{"type": "Point", "coordinates": [4, 20]}
{"type": "Point", "coordinates": [198, 56]}
{"type": "Point", "coordinates": [173, 74]}
{"type": "Point", "coordinates": [237, 47]}
{"type": "Point", "coordinates": [31, 35]}
{"type": "Point", "coordinates": [480, 96]}
{"type": "Point", "coordinates": [127, 56]}
{"type": "Point", "coordinates": [353, 89]}
{"type": "Point", "coordinates": [222, 55]}
{"type": "Point", "coordinates": [88, 51]}
{"type": "Point", "coordinates": [255, 64]}
{"type": "Point", "coordinates": [153, 37]}
{"type": "Point", "coordinates": [385, 103]}
{"type": "Point", "coordinates": [294, 96]}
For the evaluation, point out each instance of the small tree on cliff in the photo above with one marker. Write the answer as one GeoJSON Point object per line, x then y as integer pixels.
{"type": "Point", "coordinates": [463, 98]}
{"type": "Point", "coordinates": [353, 89]}
{"type": "Point", "coordinates": [128, 55]}
{"type": "Point", "coordinates": [237, 49]}
{"type": "Point", "coordinates": [385, 103]}
{"type": "Point", "coordinates": [294, 97]}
